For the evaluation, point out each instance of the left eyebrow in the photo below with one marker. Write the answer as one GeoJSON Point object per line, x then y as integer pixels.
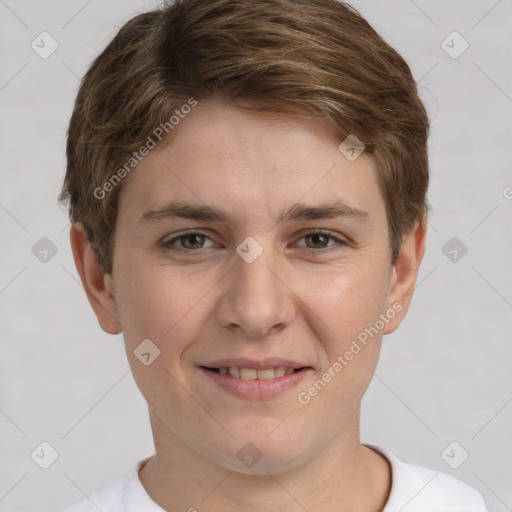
{"type": "Point", "coordinates": [324, 211]}
{"type": "Point", "coordinates": [299, 211]}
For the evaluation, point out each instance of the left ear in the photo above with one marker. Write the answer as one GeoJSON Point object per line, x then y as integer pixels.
{"type": "Point", "coordinates": [405, 272]}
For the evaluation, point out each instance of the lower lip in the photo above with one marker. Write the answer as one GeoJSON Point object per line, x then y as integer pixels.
{"type": "Point", "coordinates": [257, 389]}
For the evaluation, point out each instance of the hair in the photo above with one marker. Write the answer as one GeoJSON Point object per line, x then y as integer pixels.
{"type": "Point", "coordinates": [272, 56]}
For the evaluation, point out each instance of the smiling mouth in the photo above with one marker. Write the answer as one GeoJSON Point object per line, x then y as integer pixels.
{"type": "Point", "coordinates": [255, 374]}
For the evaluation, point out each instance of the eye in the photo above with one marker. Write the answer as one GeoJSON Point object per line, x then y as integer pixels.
{"type": "Point", "coordinates": [188, 242]}
{"type": "Point", "coordinates": [195, 240]}
{"type": "Point", "coordinates": [321, 238]}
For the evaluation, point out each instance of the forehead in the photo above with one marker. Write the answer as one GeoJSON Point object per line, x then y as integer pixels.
{"type": "Point", "coordinates": [243, 162]}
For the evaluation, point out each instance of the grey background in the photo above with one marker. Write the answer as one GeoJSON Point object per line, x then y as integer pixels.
{"type": "Point", "coordinates": [444, 376]}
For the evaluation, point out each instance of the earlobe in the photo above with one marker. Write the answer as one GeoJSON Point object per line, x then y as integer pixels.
{"type": "Point", "coordinates": [405, 272]}
{"type": "Point", "coordinates": [98, 286]}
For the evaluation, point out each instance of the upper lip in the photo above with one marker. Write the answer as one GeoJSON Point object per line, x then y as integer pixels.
{"type": "Point", "coordinates": [261, 364]}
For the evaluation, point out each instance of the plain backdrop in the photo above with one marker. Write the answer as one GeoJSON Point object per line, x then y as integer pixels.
{"type": "Point", "coordinates": [443, 377]}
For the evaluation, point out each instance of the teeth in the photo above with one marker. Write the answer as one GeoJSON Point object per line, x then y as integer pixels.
{"type": "Point", "coordinates": [252, 373]}
{"type": "Point", "coordinates": [279, 371]}
{"type": "Point", "coordinates": [234, 372]}
{"type": "Point", "coordinates": [266, 374]}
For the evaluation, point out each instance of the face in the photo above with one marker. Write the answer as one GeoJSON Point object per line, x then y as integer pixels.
{"type": "Point", "coordinates": [270, 280]}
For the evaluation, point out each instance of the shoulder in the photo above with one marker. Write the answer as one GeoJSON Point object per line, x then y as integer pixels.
{"type": "Point", "coordinates": [108, 497]}
{"type": "Point", "coordinates": [126, 495]}
{"type": "Point", "coordinates": [419, 489]}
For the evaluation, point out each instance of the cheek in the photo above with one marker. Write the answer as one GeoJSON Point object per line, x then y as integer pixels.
{"type": "Point", "coordinates": [164, 304]}
{"type": "Point", "coordinates": [159, 304]}
{"type": "Point", "coordinates": [144, 304]}
{"type": "Point", "coordinates": [347, 299]}
{"type": "Point", "coordinates": [163, 301]}
{"type": "Point", "coordinates": [351, 305]}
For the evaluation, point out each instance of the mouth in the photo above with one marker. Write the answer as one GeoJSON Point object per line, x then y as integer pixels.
{"type": "Point", "coordinates": [255, 383]}
{"type": "Point", "coordinates": [254, 373]}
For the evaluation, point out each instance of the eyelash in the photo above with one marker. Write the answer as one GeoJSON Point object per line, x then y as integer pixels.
{"type": "Point", "coordinates": [168, 245]}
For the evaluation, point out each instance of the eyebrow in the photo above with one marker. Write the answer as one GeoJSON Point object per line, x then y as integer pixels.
{"type": "Point", "coordinates": [206, 213]}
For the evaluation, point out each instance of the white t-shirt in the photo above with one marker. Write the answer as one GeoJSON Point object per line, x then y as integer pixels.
{"type": "Point", "coordinates": [414, 489]}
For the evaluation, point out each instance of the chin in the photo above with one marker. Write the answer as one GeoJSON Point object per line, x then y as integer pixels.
{"type": "Point", "coordinates": [261, 456]}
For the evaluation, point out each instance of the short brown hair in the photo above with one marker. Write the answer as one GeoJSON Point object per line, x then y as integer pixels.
{"type": "Point", "coordinates": [273, 55]}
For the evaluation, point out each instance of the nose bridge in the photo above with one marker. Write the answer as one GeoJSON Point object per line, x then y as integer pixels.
{"type": "Point", "coordinates": [256, 298]}
{"type": "Point", "coordinates": [255, 277]}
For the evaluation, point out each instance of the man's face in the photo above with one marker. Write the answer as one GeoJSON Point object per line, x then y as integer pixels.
{"type": "Point", "coordinates": [253, 287]}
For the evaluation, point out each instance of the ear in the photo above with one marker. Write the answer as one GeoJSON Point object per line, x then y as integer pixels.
{"type": "Point", "coordinates": [98, 286]}
{"type": "Point", "coordinates": [405, 272]}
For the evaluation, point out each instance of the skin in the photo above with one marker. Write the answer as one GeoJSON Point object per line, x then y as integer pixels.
{"type": "Point", "coordinates": [303, 298]}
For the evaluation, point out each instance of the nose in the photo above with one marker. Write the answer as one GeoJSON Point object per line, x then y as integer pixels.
{"type": "Point", "coordinates": [256, 298]}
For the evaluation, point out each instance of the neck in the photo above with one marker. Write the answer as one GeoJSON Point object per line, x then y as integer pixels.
{"type": "Point", "coordinates": [345, 476]}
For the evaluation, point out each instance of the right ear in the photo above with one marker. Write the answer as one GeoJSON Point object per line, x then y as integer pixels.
{"type": "Point", "coordinates": [98, 286]}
